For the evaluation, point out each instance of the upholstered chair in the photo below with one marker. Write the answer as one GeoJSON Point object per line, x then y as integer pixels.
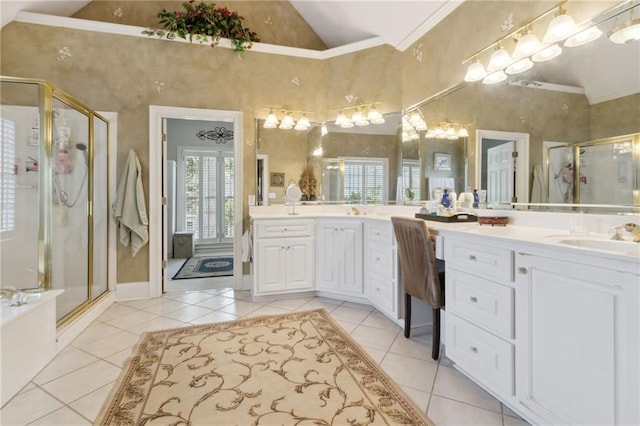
{"type": "Point", "coordinates": [422, 276]}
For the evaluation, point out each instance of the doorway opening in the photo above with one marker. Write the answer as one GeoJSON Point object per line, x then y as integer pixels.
{"type": "Point", "coordinates": [195, 195]}
{"type": "Point", "coordinates": [502, 166]}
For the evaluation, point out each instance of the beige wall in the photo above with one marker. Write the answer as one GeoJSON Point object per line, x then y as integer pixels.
{"type": "Point", "coordinates": [617, 117]}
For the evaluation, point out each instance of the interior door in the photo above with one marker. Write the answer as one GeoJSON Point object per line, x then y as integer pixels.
{"type": "Point", "coordinates": [500, 172]}
{"type": "Point", "coordinates": [165, 213]}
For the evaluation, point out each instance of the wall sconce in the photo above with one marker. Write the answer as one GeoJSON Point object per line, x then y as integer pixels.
{"type": "Point", "coordinates": [287, 122]}
{"type": "Point", "coordinates": [529, 49]}
{"type": "Point", "coordinates": [359, 118]}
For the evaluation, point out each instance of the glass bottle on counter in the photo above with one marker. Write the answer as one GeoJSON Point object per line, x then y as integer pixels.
{"type": "Point", "coordinates": [446, 201]}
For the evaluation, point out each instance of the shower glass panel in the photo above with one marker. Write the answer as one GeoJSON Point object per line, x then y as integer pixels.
{"type": "Point", "coordinates": [100, 207]}
{"type": "Point", "coordinates": [70, 236]}
{"type": "Point", "coordinates": [20, 152]}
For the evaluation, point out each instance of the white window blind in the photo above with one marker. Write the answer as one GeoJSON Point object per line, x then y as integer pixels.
{"type": "Point", "coordinates": [365, 180]}
{"type": "Point", "coordinates": [8, 177]}
{"type": "Point", "coordinates": [411, 177]}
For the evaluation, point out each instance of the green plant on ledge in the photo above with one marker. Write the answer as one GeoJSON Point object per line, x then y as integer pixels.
{"type": "Point", "coordinates": [204, 22]}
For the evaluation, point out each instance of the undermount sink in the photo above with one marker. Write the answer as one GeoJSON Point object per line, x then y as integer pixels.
{"type": "Point", "coordinates": [626, 248]}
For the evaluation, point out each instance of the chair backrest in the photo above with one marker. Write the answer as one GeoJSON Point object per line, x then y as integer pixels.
{"type": "Point", "coordinates": [417, 260]}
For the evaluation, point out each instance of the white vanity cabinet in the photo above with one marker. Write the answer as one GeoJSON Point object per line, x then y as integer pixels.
{"type": "Point", "coordinates": [339, 256]}
{"type": "Point", "coordinates": [284, 256]}
{"type": "Point", "coordinates": [479, 298]}
{"type": "Point", "coordinates": [578, 328]}
{"type": "Point", "coordinates": [380, 267]}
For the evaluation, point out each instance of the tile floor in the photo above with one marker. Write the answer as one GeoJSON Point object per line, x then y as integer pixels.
{"type": "Point", "coordinates": [72, 388]}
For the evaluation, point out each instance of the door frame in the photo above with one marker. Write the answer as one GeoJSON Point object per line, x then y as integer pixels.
{"type": "Point", "coordinates": [156, 166]}
{"type": "Point", "coordinates": [522, 162]}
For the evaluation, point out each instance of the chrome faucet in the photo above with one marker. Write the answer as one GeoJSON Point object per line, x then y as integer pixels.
{"type": "Point", "coordinates": [632, 228]}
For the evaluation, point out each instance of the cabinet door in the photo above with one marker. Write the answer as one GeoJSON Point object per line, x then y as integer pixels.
{"type": "Point", "coordinates": [299, 253]}
{"type": "Point", "coordinates": [578, 329]}
{"type": "Point", "coordinates": [350, 257]}
{"type": "Point", "coordinates": [270, 259]}
{"type": "Point", "coordinates": [328, 256]}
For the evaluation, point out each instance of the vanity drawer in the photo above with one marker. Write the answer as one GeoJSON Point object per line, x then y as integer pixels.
{"type": "Point", "coordinates": [481, 301]}
{"type": "Point", "coordinates": [381, 232]}
{"type": "Point", "coordinates": [283, 228]}
{"type": "Point", "coordinates": [380, 259]}
{"type": "Point", "coordinates": [487, 358]}
{"type": "Point", "coordinates": [381, 292]}
{"type": "Point", "coordinates": [479, 259]}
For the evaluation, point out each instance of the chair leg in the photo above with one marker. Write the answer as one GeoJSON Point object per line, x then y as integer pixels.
{"type": "Point", "coordinates": [407, 315]}
{"type": "Point", "coordinates": [435, 344]}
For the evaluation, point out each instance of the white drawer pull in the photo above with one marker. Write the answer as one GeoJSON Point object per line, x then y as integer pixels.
{"type": "Point", "coordinates": [473, 299]}
{"type": "Point", "coordinates": [472, 257]}
{"type": "Point", "coordinates": [378, 233]}
{"type": "Point", "coordinates": [522, 270]}
{"type": "Point", "coordinates": [474, 349]}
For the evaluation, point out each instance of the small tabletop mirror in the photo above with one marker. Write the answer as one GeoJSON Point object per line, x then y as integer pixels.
{"type": "Point", "coordinates": [293, 193]}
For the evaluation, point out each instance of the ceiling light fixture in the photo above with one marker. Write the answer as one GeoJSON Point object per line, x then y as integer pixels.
{"type": "Point", "coordinates": [583, 37]}
{"type": "Point", "coordinates": [521, 66]}
{"type": "Point", "coordinates": [627, 32]}
{"type": "Point", "coordinates": [547, 54]}
{"type": "Point", "coordinates": [560, 27]}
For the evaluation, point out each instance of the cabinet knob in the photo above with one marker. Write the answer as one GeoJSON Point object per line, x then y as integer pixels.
{"type": "Point", "coordinates": [282, 248]}
{"type": "Point", "coordinates": [474, 349]}
{"type": "Point", "coordinates": [377, 259]}
{"type": "Point", "coordinates": [378, 233]}
{"type": "Point", "coordinates": [473, 299]}
{"type": "Point", "coordinates": [285, 230]}
{"type": "Point", "coordinates": [342, 229]}
{"type": "Point", "coordinates": [522, 270]}
{"type": "Point", "coordinates": [288, 247]}
{"type": "Point", "coordinates": [472, 257]}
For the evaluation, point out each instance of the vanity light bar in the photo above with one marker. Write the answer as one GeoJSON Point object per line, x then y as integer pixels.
{"type": "Point", "coordinates": [287, 122]}
{"type": "Point", "coordinates": [359, 118]}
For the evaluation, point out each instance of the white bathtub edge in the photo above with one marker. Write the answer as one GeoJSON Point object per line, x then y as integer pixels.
{"type": "Point", "coordinates": [70, 331]}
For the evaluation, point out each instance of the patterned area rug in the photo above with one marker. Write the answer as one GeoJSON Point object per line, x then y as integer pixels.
{"type": "Point", "coordinates": [299, 368]}
{"type": "Point", "coordinates": [203, 267]}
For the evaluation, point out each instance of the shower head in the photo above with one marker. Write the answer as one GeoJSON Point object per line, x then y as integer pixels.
{"type": "Point", "coordinates": [82, 147]}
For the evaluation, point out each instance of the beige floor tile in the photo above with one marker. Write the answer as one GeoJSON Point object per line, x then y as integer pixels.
{"type": "Point", "coordinates": [290, 304]}
{"type": "Point", "coordinates": [444, 412]}
{"type": "Point", "coordinates": [90, 405]}
{"type": "Point", "coordinates": [348, 326]}
{"type": "Point", "coordinates": [27, 388]}
{"type": "Point", "coordinates": [420, 398]}
{"type": "Point", "coordinates": [83, 381]}
{"type": "Point", "coordinates": [267, 310]}
{"type": "Point", "coordinates": [63, 417]}
{"type": "Point", "coordinates": [131, 319]}
{"type": "Point", "coordinates": [215, 316]}
{"type": "Point", "coordinates": [408, 371]}
{"type": "Point", "coordinates": [416, 347]}
{"type": "Point", "coordinates": [159, 323]}
{"type": "Point", "coordinates": [142, 303]}
{"type": "Point", "coordinates": [97, 330]}
{"type": "Point", "coordinates": [350, 314]}
{"type": "Point", "coordinates": [328, 300]}
{"type": "Point", "coordinates": [512, 421]}
{"type": "Point", "coordinates": [362, 306]}
{"type": "Point", "coordinates": [379, 320]}
{"type": "Point", "coordinates": [452, 384]}
{"type": "Point", "coordinates": [318, 304]}
{"type": "Point", "coordinates": [189, 313]}
{"type": "Point", "coordinates": [374, 337]}
{"type": "Point", "coordinates": [27, 407]}
{"type": "Point", "coordinates": [166, 306]}
{"type": "Point", "coordinates": [119, 359]}
{"type": "Point", "coordinates": [116, 311]}
{"type": "Point", "coordinates": [374, 353]}
{"type": "Point", "coordinates": [110, 345]}
{"type": "Point", "coordinates": [194, 297]}
{"type": "Point", "coordinates": [215, 302]}
{"type": "Point", "coordinates": [65, 362]}
{"type": "Point", "coordinates": [241, 307]}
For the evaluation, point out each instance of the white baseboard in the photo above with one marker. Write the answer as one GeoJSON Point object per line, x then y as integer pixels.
{"type": "Point", "coordinates": [71, 330]}
{"type": "Point", "coordinates": [133, 291]}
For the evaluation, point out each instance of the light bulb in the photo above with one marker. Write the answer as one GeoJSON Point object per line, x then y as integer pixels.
{"type": "Point", "coordinates": [271, 122]}
{"type": "Point", "coordinates": [287, 122]}
{"type": "Point", "coordinates": [374, 116]}
{"type": "Point", "coordinates": [451, 133]}
{"type": "Point", "coordinates": [499, 59]}
{"type": "Point", "coordinates": [341, 119]}
{"type": "Point", "coordinates": [521, 66]}
{"type": "Point", "coordinates": [527, 44]}
{"type": "Point", "coordinates": [547, 53]}
{"type": "Point", "coordinates": [475, 72]}
{"type": "Point", "coordinates": [303, 123]}
{"type": "Point", "coordinates": [560, 27]}
{"type": "Point", "coordinates": [463, 132]}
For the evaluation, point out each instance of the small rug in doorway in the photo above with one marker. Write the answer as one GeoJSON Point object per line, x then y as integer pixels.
{"type": "Point", "coordinates": [287, 369]}
{"type": "Point", "coordinates": [204, 267]}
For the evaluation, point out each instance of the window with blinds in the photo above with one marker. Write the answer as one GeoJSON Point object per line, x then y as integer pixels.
{"type": "Point", "coordinates": [411, 178]}
{"type": "Point", "coordinates": [8, 177]}
{"type": "Point", "coordinates": [365, 180]}
{"type": "Point", "coordinates": [208, 178]}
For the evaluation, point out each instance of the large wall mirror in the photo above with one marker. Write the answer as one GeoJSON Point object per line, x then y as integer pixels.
{"type": "Point", "coordinates": [331, 164]}
{"type": "Point", "coordinates": [588, 97]}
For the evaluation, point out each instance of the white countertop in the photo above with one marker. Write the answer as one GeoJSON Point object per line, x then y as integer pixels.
{"type": "Point", "coordinates": [538, 228]}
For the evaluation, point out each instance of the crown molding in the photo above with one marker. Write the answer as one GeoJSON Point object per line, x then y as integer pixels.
{"type": "Point", "coordinates": [428, 24]}
{"type": "Point", "coordinates": [134, 31]}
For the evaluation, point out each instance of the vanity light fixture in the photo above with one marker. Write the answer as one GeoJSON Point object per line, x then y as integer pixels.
{"type": "Point", "coordinates": [627, 32]}
{"type": "Point", "coordinates": [271, 122]}
{"type": "Point", "coordinates": [451, 133]}
{"type": "Point", "coordinates": [447, 130]}
{"type": "Point", "coordinates": [374, 116]}
{"type": "Point", "coordinates": [359, 118]}
{"type": "Point", "coordinates": [495, 77]}
{"type": "Point", "coordinates": [547, 54]}
{"type": "Point", "coordinates": [583, 37]}
{"type": "Point", "coordinates": [527, 45]}
{"type": "Point", "coordinates": [303, 123]}
{"type": "Point", "coordinates": [521, 66]}
{"type": "Point", "coordinates": [463, 132]}
{"type": "Point", "coordinates": [475, 72]}
{"type": "Point", "coordinates": [560, 27]}
{"type": "Point", "coordinates": [499, 59]}
{"type": "Point", "coordinates": [287, 122]}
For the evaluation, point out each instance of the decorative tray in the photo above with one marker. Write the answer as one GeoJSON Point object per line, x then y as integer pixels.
{"type": "Point", "coordinates": [456, 218]}
{"type": "Point", "coordinates": [493, 220]}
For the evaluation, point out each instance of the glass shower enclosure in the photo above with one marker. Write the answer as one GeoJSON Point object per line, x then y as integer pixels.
{"type": "Point", "coordinates": [53, 195]}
